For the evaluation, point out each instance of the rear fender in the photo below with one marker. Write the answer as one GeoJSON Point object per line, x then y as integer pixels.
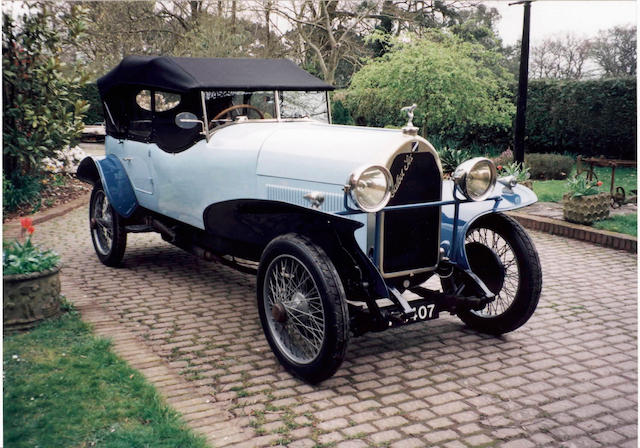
{"type": "Point", "coordinates": [453, 241]}
{"type": "Point", "coordinates": [109, 172]}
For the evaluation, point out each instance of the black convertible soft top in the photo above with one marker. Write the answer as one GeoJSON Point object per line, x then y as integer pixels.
{"type": "Point", "coordinates": [187, 74]}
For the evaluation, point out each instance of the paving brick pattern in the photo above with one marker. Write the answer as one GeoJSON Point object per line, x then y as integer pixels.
{"type": "Point", "coordinates": [568, 378]}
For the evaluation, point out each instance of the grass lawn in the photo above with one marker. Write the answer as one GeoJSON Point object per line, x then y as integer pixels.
{"type": "Point", "coordinates": [63, 387]}
{"type": "Point", "coordinates": [620, 223]}
{"type": "Point", "coordinates": [626, 177]}
{"type": "Point", "coordinates": [552, 190]}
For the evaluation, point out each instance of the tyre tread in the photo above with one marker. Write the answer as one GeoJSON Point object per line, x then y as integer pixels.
{"type": "Point", "coordinates": [330, 363]}
{"type": "Point", "coordinates": [119, 244]}
{"type": "Point", "coordinates": [514, 318]}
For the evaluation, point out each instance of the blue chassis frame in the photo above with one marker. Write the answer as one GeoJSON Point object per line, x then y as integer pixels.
{"type": "Point", "coordinates": [454, 225]}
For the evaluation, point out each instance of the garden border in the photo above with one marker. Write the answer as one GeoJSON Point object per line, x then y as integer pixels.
{"type": "Point", "coordinates": [12, 228]}
{"type": "Point", "coordinates": [566, 229]}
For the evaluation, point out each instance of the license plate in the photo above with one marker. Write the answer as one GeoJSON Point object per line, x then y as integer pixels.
{"type": "Point", "coordinates": [423, 311]}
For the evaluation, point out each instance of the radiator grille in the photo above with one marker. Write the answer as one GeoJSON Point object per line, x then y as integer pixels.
{"type": "Point", "coordinates": [410, 238]}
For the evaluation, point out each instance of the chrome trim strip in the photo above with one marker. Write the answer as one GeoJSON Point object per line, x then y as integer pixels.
{"type": "Point", "coordinates": [109, 112]}
{"type": "Point", "coordinates": [419, 205]}
{"type": "Point", "coordinates": [204, 115]}
{"type": "Point", "coordinates": [277, 100]}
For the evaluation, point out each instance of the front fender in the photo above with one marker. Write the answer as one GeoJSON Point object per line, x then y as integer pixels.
{"type": "Point", "coordinates": [114, 179]}
{"type": "Point", "coordinates": [453, 241]}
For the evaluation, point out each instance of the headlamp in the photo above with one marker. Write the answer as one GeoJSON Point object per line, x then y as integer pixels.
{"type": "Point", "coordinates": [370, 188]}
{"type": "Point", "coordinates": [475, 178]}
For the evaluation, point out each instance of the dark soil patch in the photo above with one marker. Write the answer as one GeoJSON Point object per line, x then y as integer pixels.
{"type": "Point", "coordinates": [52, 195]}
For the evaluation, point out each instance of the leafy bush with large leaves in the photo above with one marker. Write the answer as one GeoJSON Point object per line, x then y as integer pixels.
{"type": "Point", "coordinates": [461, 89]}
{"type": "Point", "coordinates": [42, 107]}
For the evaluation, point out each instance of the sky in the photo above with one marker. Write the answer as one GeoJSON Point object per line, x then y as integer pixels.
{"type": "Point", "coordinates": [551, 18]}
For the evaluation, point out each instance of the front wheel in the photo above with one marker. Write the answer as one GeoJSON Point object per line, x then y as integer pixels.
{"type": "Point", "coordinates": [503, 256]}
{"type": "Point", "coordinates": [302, 307]}
{"type": "Point", "coordinates": [107, 232]}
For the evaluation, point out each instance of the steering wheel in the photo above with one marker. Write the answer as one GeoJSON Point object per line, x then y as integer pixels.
{"type": "Point", "coordinates": [237, 106]}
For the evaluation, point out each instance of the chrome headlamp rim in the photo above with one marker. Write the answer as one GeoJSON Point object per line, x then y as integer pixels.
{"type": "Point", "coordinates": [352, 183]}
{"type": "Point", "coordinates": [461, 174]}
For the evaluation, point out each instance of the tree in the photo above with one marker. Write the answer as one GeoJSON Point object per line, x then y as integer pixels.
{"type": "Point", "coordinates": [614, 51]}
{"type": "Point", "coordinates": [563, 57]}
{"type": "Point", "coordinates": [218, 36]}
{"type": "Point", "coordinates": [325, 33]}
{"type": "Point", "coordinates": [119, 29]}
{"type": "Point", "coordinates": [42, 108]}
{"type": "Point", "coordinates": [477, 24]}
{"type": "Point", "coordinates": [460, 91]}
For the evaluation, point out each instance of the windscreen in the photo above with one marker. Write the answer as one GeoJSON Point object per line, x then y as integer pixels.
{"type": "Point", "coordinates": [301, 104]}
{"type": "Point", "coordinates": [226, 106]}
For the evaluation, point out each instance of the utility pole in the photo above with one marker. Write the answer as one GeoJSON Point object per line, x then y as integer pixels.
{"type": "Point", "coordinates": [523, 83]}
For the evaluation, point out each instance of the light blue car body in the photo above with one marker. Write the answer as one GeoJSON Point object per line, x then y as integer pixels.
{"type": "Point", "coordinates": [277, 162]}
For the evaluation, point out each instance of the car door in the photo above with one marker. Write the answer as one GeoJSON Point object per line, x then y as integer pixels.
{"type": "Point", "coordinates": [136, 148]}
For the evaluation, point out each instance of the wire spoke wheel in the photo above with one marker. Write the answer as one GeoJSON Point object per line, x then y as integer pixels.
{"type": "Point", "coordinates": [507, 267]}
{"type": "Point", "coordinates": [302, 306]}
{"type": "Point", "coordinates": [107, 232]}
{"type": "Point", "coordinates": [103, 218]}
{"type": "Point", "coordinates": [294, 309]}
{"type": "Point", "coordinates": [503, 257]}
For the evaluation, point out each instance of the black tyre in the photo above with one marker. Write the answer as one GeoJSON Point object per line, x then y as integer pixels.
{"type": "Point", "coordinates": [302, 306]}
{"type": "Point", "coordinates": [501, 253]}
{"type": "Point", "coordinates": [107, 232]}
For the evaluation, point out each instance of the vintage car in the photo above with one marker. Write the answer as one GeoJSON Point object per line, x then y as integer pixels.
{"type": "Point", "coordinates": [236, 160]}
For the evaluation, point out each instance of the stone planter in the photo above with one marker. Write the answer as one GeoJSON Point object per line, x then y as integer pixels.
{"type": "Point", "coordinates": [586, 209]}
{"type": "Point", "coordinates": [30, 298]}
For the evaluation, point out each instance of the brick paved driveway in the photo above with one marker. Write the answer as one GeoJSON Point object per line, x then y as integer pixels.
{"type": "Point", "coordinates": [568, 378]}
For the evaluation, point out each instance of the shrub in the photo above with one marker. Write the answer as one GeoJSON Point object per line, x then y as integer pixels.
{"type": "Point", "coordinates": [549, 166]}
{"type": "Point", "coordinates": [504, 159]}
{"type": "Point", "coordinates": [42, 109]}
{"type": "Point", "coordinates": [461, 92]}
{"type": "Point", "coordinates": [94, 115]}
{"type": "Point", "coordinates": [593, 117]}
{"type": "Point", "coordinates": [19, 190]}
{"type": "Point", "coordinates": [451, 158]}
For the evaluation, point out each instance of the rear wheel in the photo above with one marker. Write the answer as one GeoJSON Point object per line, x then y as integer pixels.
{"type": "Point", "coordinates": [302, 307]}
{"type": "Point", "coordinates": [503, 256]}
{"type": "Point", "coordinates": [107, 232]}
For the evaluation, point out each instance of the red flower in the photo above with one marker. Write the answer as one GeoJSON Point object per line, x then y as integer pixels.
{"type": "Point", "coordinates": [30, 230]}
{"type": "Point", "coordinates": [599, 183]}
{"type": "Point", "coordinates": [499, 167]}
{"type": "Point", "coordinates": [26, 223]}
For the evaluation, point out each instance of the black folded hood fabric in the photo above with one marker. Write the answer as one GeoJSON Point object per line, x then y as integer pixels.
{"type": "Point", "coordinates": [185, 74]}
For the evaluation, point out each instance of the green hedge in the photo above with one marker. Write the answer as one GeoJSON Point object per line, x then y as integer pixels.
{"type": "Point", "coordinates": [94, 114]}
{"type": "Point", "coordinates": [595, 117]}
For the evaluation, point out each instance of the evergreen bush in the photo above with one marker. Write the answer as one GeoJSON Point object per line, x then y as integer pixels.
{"type": "Point", "coordinates": [42, 107]}
{"type": "Point", "coordinates": [548, 166]}
{"type": "Point", "coordinates": [592, 118]}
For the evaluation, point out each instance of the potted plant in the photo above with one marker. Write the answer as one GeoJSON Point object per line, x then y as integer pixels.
{"type": "Point", "coordinates": [31, 282]}
{"type": "Point", "coordinates": [520, 172]}
{"type": "Point", "coordinates": [584, 203]}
